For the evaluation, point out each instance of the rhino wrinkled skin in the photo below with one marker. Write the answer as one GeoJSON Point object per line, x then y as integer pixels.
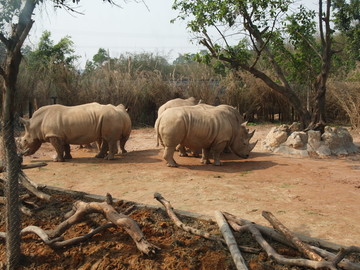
{"type": "Point", "coordinates": [203, 126]}
{"type": "Point", "coordinates": [177, 102]}
{"type": "Point", "coordinates": [83, 124]}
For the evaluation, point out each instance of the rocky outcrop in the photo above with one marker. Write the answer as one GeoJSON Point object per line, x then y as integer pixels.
{"type": "Point", "coordinates": [290, 140]}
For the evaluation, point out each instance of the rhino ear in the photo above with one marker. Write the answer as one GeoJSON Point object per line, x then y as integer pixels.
{"type": "Point", "coordinates": [25, 122]}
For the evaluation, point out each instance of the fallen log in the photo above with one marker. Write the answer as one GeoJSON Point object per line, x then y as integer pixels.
{"type": "Point", "coordinates": [170, 211]}
{"type": "Point", "coordinates": [230, 241]}
{"type": "Point", "coordinates": [24, 166]}
{"type": "Point", "coordinates": [301, 246]}
{"type": "Point", "coordinates": [32, 187]}
{"type": "Point", "coordinates": [179, 223]}
{"type": "Point", "coordinates": [81, 209]}
{"type": "Point", "coordinates": [239, 224]}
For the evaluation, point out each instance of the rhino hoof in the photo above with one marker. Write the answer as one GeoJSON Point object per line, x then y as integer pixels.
{"type": "Point", "coordinates": [172, 165]}
{"type": "Point", "coordinates": [205, 161]}
{"type": "Point", "coordinates": [218, 164]}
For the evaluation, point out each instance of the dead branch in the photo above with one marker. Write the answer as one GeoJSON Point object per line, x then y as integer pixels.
{"type": "Point", "coordinates": [24, 166]}
{"type": "Point", "coordinates": [273, 254]}
{"type": "Point", "coordinates": [81, 209]}
{"type": "Point", "coordinates": [344, 263]}
{"type": "Point", "coordinates": [230, 241]}
{"type": "Point", "coordinates": [301, 246]}
{"type": "Point", "coordinates": [178, 222]}
{"type": "Point", "coordinates": [239, 224]}
{"type": "Point", "coordinates": [32, 187]}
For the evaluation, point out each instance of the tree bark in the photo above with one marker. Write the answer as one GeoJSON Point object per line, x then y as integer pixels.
{"type": "Point", "coordinates": [9, 71]}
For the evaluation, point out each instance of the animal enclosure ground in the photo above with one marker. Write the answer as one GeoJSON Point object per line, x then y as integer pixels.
{"type": "Point", "coordinates": [316, 197]}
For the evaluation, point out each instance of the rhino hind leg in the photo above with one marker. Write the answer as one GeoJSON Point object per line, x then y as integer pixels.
{"type": "Point", "coordinates": [123, 140]}
{"type": "Point", "coordinates": [112, 145]}
{"type": "Point", "coordinates": [59, 148]}
{"type": "Point", "coordinates": [205, 156]}
{"type": "Point", "coordinates": [169, 156]}
{"type": "Point", "coordinates": [103, 150]}
{"type": "Point", "coordinates": [67, 154]}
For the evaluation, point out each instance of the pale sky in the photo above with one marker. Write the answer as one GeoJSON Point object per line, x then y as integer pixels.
{"type": "Point", "coordinates": [132, 28]}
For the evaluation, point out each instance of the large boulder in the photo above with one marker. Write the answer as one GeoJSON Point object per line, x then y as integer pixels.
{"type": "Point", "coordinates": [288, 140]}
{"type": "Point", "coordinates": [276, 137]}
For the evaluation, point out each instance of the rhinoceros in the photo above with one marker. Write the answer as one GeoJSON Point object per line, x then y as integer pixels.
{"type": "Point", "coordinates": [177, 102]}
{"type": "Point", "coordinates": [64, 125]}
{"type": "Point", "coordinates": [205, 127]}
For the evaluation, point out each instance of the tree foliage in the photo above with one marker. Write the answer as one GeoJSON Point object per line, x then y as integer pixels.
{"type": "Point", "coordinates": [288, 50]}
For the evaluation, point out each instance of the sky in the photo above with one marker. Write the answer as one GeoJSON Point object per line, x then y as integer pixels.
{"type": "Point", "coordinates": [133, 27]}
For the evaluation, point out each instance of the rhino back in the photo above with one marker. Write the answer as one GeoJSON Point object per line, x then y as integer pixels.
{"type": "Point", "coordinates": [193, 127]}
{"type": "Point", "coordinates": [177, 102]}
{"type": "Point", "coordinates": [74, 124]}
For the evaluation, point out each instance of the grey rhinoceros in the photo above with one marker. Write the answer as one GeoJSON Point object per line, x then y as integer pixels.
{"type": "Point", "coordinates": [207, 127]}
{"type": "Point", "coordinates": [64, 125]}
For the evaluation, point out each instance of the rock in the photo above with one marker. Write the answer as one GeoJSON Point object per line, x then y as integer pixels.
{"type": "Point", "coordinates": [339, 141]}
{"type": "Point", "coordinates": [295, 126]}
{"type": "Point", "coordinates": [314, 140]}
{"type": "Point", "coordinates": [297, 140]}
{"type": "Point", "coordinates": [275, 137]}
{"type": "Point", "coordinates": [334, 141]}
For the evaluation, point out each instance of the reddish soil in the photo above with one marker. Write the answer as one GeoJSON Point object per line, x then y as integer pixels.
{"type": "Point", "coordinates": [316, 197]}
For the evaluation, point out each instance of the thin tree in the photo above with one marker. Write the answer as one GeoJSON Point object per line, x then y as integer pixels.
{"type": "Point", "coordinates": [20, 12]}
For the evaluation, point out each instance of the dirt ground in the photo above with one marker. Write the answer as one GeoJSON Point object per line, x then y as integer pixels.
{"type": "Point", "coordinates": [315, 197]}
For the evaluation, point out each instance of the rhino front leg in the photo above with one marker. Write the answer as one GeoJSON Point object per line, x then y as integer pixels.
{"type": "Point", "coordinates": [59, 148]}
{"type": "Point", "coordinates": [217, 150]}
{"type": "Point", "coordinates": [169, 156]}
{"type": "Point", "coordinates": [67, 151]}
{"type": "Point", "coordinates": [182, 151]}
{"type": "Point", "coordinates": [205, 156]}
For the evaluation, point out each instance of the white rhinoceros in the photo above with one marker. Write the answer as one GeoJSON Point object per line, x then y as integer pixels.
{"type": "Point", "coordinates": [64, 125]}
{"type": "Point", "coordinates": [177, 102]}
{"type": "Point", "coordinates": [206, 127]}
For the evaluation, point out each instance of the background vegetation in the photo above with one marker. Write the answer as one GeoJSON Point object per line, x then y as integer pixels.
{"type": "Point", "coordinates": [143, 82]}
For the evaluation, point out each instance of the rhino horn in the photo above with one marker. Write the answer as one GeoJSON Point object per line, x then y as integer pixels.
{"type": "Point", "coordinates": [252, 145]}
{"type": "Point", "coordinates": [251, 134]}
{"type": "Point", "coordinates": [244, 124]}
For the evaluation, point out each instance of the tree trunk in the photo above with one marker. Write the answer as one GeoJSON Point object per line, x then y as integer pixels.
{"type": "Point", "coordinates": [9, 71]}
{"type": "Point", "coordinates": [318, 119]}
{"type": "Point", "coordinates": [13, 165]}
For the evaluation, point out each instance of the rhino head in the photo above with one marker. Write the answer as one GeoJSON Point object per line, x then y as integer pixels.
{"type": "Point", "coordinates": [28, 144]}
{"type": "Point", "coordinates": [241, 145]}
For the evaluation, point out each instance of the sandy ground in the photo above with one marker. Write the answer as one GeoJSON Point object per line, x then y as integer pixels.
{"type": "Point", "coordinates": [316, 197]}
